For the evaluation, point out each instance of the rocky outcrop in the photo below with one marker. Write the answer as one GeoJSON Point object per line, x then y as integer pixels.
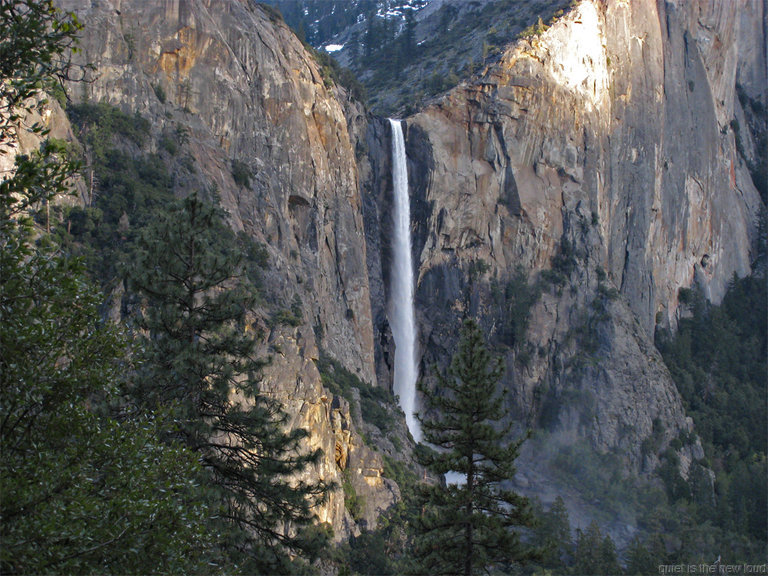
{"type": "Point", "coordinates": [293, 378]}
{"type": "Point", "coordinates": [600, 157]}
{"type": "Point", "coordinates": [600, 160]}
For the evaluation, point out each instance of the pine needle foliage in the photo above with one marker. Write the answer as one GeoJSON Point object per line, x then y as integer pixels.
{"type": "Point", "coordinates": [82, 489]}
{"type": "Point", "coordinates": [36, 44]}
{"type": "Point", "coordinates": [199, 361]}
{"type": "Point", "coordinates": [467, 528]}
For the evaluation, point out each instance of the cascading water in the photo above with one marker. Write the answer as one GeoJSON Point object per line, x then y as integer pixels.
{"type": "Point", "coordinates": [402, 317]}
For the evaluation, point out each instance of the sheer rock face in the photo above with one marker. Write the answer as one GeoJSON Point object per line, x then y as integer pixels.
{"type": "Point", "coordinates": [246, 89]}
{"type": "Point", "coordinates": [608, 136]}
{"type": "Point", "coordinates": [238, 81]}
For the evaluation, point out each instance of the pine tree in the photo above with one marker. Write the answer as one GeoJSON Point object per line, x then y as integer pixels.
{"type": "Point", "coordinates": [639, 560]}
{"type": "Point", "coordinates": [466, 528]}
{"type": "Point", "coordinates": [553, 534]}
{"type": "Point", "coordinates": [199, 361]}
{"type": "Point", "coordinates": [81, 490]}
{"type": "Point", "coordinates": [595, 553]}
{"type": "Point", "coordinates": [408, 42]}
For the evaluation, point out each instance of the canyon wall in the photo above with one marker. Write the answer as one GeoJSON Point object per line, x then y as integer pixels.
{"type": "Point", "coordinates": [249, 96]}
{"type": "Point", "coordinates": [600, 159]}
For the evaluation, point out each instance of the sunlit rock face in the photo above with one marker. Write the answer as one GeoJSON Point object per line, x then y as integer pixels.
{"type": "Point", "coordinates": [238, 82]}
{"type": "Point", "coordinates": [242, 84]}
{"type": "Point", "coordinates": [294, 380]}
{"type": "Point", "coordinates": [610, 135]}
{"type": "Point", "coordinates": [577, 59]}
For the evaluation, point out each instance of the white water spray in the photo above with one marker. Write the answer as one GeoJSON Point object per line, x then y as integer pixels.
{"type": "Point", "coordinates": [402, 317]}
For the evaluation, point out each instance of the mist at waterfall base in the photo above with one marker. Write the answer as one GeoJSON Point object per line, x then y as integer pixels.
{"type": "Point", "coordinates": [402, 316]}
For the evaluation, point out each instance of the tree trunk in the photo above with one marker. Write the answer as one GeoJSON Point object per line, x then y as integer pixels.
{"type": "Point", "coordinates": [468, 511]}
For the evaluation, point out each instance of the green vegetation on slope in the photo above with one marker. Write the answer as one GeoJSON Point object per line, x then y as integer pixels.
{"type": "Point", "coordinates": [86, 486]}
{"type": "Point", "coordinates": [125, 453]}
{"type": "Point", "coordinates": [398, 74]}
{"type": "Point", "coordinates": [718, 360]}
{"type": "Point", "coordinates": [373, 399]}
{"type": "Point", "coordinates": [197, 362]}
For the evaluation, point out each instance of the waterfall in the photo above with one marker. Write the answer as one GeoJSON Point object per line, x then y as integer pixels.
{"type": "Point", "coordinates": [402, 317]}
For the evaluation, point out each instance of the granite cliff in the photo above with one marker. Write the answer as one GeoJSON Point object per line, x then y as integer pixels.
{"type": "Point", "coordinates": [599, 161]}
{"type": "Point", "coordinates": [266, 133]}
{"type": "Point", "coordinates": [602, 160]}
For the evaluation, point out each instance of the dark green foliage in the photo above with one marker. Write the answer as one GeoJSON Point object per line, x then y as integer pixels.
{"type": "Point", "coordinates": [400, 473]}
{"type": "Point", "coordinates": [197, 360]}
{"type": "Point", "coordinates": [682, 531]}
{"type": "Point", "coordinates": [332, 73]}
{"type": "Point", "coordinates": [130, 190]}
{"type": "Point", "coordinates": [35, 46]}
{"type": "Point", "coordinates": [100, 123]}
{"type": "Point", "coordinates": [159, 92]}
{"type": "Point", "coordinates": [38, 178]}
{"type": "Point", "coordinates": [241, 173]}
{"type": "Point", "coordinates": [288, 317]}
{"type": "Point", "coordinates": [536, 29]}
{"type": "Point", "coordinates": [368, 555]}
{"type": "Point", "coordinates": [352, 501]}
{"type": "Point", "coordinates": [514, 302]}
{"type": "Point", "coordinates": [321, 21]}
{"type": "Point", "coordinates": [595, 553]}
{"type": "Point", "coordinates": [564, 262]}
{"type": "Point", "coordinates": [285, 317]}
{"type": "Point", "coordinates": [586, 333]}
{"type": "Point", "coordinates": [552, 534]}
{"type": "Point", "coordinates": [82, 489]}
{"type": "Point", "coordinates": [126, 186]}
{"type": "Point", "coordinates": [640, 561]}
{"type": "Point", "coordinates": [477, 269]}
{"type": "Point", "coordinates": [652, 444]}
{"type": "Point", "coordinates": [669, 532]}
{"type": "Point", "coordinates": [451, 56]}
{"type": "Point", "coordinates": [757, 119]}
{"type": "Point", "coordinates": [272, 13]}
{"type": "Point", "coordinates": [385, 55]}
{"type": "Point", "coordinates": [669, 472]}
{"type": "Point", "coordinates": [601, 477]}
{"type": "Point", "coordinates": [255, 259]}
{"type": "Point", "coordinates": [168, 143]}
{"type": "Point", "coordinates": [718, 361]}
{"type": "Point", "coordinates": [466, 528]}
{"type": "Point", "coordinates": [386, 550]}
{"type": "Point", "coordinates": [437, 82]}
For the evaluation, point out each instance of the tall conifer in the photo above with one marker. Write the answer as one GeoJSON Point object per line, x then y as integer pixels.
{"type": "Point", "coordinates": [465, 528]}
{"type": "Point", "coordinates": [82, 490]}
{"type": "Point", "coordinates": [199, 360]}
